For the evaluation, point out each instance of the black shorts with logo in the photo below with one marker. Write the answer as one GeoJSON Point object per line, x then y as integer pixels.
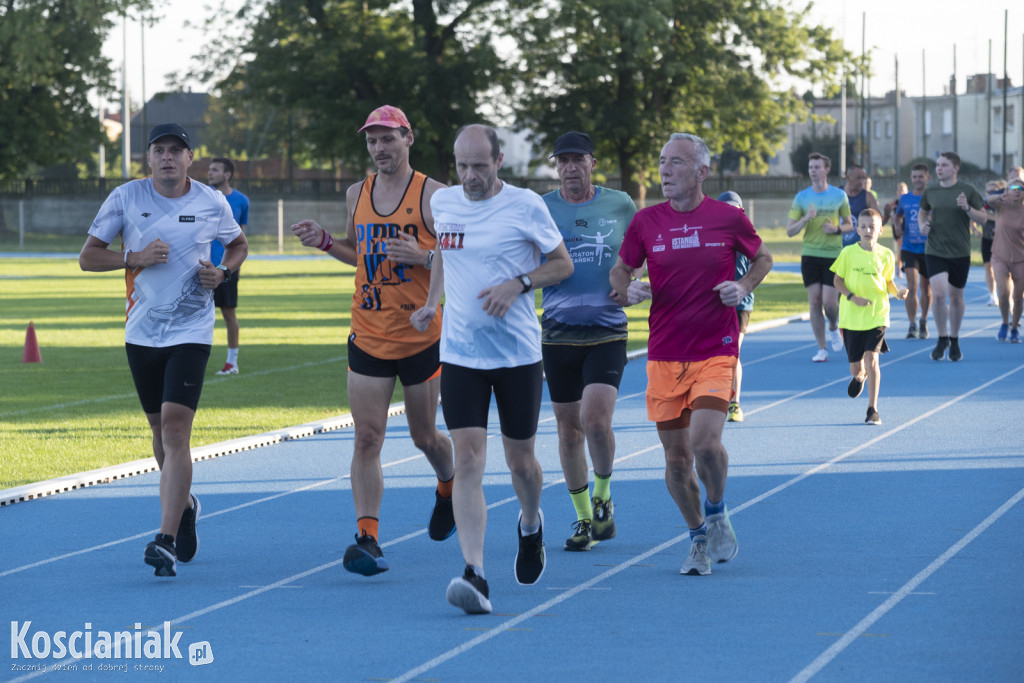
{"type": "Point", "coordinates": [169, 374]}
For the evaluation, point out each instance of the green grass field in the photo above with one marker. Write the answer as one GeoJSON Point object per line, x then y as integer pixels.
{"type": "Point", "coordinates": [77, 410]}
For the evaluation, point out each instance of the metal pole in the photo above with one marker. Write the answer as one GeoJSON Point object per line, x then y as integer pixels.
{"type": "Point", "coordinates": [896, 156]}
{"type": "Point", "coordinates": [280, 226]}
{"type": "Point", "coordinates": [1006, 83]}
{"type": "Point", "coordinates": [126, 135]}
{"type": "Point", "coordinates": [988, 109]}
{"type": "Point", "coordinates": [842, 127]}
{"type": "Point", "coordinates": [955, 111]}
{"type": "Point", "coordinates": [924, 110]}
{"type": "Point", "coordinates": [21, 224]}
{"type": "Point", "coordinates": [103, 146]}
{"type": "Point", "coordinates": [142, 67]}
{"type": "Point", "coordinates": [865, 130]}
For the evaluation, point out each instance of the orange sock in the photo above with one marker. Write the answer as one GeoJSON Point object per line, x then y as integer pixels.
{"type": "Point", "coordinates": [368, 526]}
{"type": "Point", "coordinates": [445, 487]}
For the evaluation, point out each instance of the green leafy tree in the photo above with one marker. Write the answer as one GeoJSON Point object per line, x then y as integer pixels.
{"type": "Point", "coordinates": [325, 64]}
{"type": "Point", "coordinates": [51, 62]}
{"type": "Point", "coordinates": [632, 73]}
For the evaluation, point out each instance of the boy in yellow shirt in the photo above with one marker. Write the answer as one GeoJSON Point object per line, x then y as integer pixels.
{"type": "Point", "coordinates": [864, 279]}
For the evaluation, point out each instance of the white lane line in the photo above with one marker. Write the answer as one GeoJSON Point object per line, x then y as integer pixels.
{"type": "Point", "coordinates": [846, 378]}
{"type": "Point", "coordinates": [837, 647]}
{"type": "Point", "coordinates": [511, 623]}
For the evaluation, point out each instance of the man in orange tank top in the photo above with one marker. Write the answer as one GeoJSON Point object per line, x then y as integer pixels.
{"type": "Point", "coordinates": [390, 240]}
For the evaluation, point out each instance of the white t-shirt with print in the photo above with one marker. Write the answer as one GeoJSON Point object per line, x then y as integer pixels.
{"type": "Point", "coordinates": [485, 243]}
{"type": "Point", "coordinates": [165, 303]}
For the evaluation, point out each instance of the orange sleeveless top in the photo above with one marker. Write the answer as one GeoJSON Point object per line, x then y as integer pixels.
{"type": "Point", "coordinates": [387, 293]}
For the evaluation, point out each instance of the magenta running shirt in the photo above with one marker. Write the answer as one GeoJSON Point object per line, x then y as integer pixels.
{"type": "Point", "coordinates": [687, 254]}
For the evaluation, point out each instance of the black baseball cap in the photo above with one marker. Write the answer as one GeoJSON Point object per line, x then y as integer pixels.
{"type": "Point", "coordinates": [173, 129]}
{"type": "Point", "coordinates": [573, 142]}
{"type": "Point", "coordinates": [731, 197]}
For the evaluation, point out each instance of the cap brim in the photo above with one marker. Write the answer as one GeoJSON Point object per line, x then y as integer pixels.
{"type": "Point", "coordinates": [380, 124]}
{"type": "Point", "coordinates": [571, 150]}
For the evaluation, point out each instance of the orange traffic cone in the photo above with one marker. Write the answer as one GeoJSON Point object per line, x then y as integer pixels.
{"type": "Point", "coordinates": [31, 352]}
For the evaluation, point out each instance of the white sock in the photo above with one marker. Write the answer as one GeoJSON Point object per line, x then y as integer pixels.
{"type": "Point", "coordinates": [233, 356]}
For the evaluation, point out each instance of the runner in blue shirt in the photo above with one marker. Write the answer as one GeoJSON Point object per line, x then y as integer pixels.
{"type": "Point", "coordinates": [915, 267]}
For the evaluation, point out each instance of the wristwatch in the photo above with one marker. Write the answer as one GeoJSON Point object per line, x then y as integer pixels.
{"type": "Point", "coordinates": [227, 273]}
{"type": "Point", "coordinates": [527, 282]}
{"type": "Point", "coordinates": [849, 297]}
{"type": "Point", "coordinates": [430, 259]}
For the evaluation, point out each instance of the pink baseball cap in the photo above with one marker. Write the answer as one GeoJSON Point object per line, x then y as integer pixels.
{"type": "Point", "coordinates": [387, 116]}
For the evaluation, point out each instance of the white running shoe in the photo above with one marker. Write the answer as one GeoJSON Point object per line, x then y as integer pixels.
{"type": "Point", "coordinates": [228, 369]}
{"type": "Point", "coordinates": [837, 340]}
{"type": "Point", "coordinates": [697, 562]}
{"type": "Point", "coordinates": [821, 356]}
{"type": "Point", "coordinates": [722, 545]}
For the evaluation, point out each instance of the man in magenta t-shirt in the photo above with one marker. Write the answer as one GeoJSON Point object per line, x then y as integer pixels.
{"type": "Point", "coordinates": [690, 244]}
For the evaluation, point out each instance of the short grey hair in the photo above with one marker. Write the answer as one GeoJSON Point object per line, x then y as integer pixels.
{"type": "Point", "coordinates": [701, 147]}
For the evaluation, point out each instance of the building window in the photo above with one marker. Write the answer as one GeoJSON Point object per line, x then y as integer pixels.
{"type": "Point", "coordinates": [996, 158]}
{"type": "Point", "coordinates": [1009, 118]}
{"type": "Point", "coordinates": [927, 123]}
{"type": "Point", "coordinates": [878, 129]}
{"type": "Point", "coordinates": [947, 121]}
{"type": "Point", "coordinates": [997, 119]}
{"type": "Point", "coordinates": [888, 128]}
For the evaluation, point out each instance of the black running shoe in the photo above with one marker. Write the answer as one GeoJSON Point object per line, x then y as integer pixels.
{"type": "Point", "coordinates": [530, 559]}
{"type": "Point", "coordinates": [872, 417]}
{"type": "Point", "coordinates": [365, 557]}
{"type": "Point", "coordinates": [603, 526]}
{"type": "Point", "coordinates": [855, 388]}
{"type": "Point", "coordinates": [161, 556]}
{"type": "Point", "coordinates": [442, 519]}
{"type": "Point", "coordinates": [469, 592]}
{"type": "Point", "coordinates": [955, 353]}
{"type": "Point", "coordinates": [580, 539]}
{"type": "Point", "coordinates": [187, 541]}
{"type": "Point", "coordinates": [940, 348]}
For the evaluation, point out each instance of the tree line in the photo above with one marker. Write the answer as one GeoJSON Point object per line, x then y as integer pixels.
{"type": "Point", "coordinates": [301, 75]}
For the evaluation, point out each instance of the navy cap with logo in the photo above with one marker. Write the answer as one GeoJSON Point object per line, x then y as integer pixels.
{"type": "Point", "coordinates": [573, 142]}
{"type": "Point", "coordinates": [731, 197]}
{"type": "Point", "coordinates": [172, 129]}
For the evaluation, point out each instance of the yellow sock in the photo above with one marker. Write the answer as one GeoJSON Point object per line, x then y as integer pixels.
{"type": "Point", "coordinates": [603, 487]}
{"type": "Point", "coordinates": [581, 501]}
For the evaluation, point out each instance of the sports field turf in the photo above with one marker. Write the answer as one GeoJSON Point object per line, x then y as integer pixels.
{"type": "Point", "coordinates": [77, 410]}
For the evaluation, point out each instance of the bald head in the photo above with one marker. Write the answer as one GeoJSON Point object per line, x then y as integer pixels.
{"type": "Point", "coordinates": [477, 160]}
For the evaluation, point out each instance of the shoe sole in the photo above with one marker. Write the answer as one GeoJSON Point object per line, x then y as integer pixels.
{"type": "Point", "coordinates": [231, 372]}
{"type": "Point", "coordinates": [578, 548]}
{"type": "Point", "coordinates": [463, 595]}
{"type": "Point", "coordinates": [358, 561]}
{"type": "Point", "coordinates": [198, 509]}
{"type": "Point", "coordinates": [162, 562]}
{"type": "Point", "coordinates": [695, 571]}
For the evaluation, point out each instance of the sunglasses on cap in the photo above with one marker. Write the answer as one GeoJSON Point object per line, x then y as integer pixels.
{"type": "Point", "coordinates": [1015, 187]}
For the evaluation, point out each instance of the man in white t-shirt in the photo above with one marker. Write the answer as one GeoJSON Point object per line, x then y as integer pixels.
{"type": "Point", "coordinates": [490, 239]}
{"type": "Point", "coordinates": [166, 224]}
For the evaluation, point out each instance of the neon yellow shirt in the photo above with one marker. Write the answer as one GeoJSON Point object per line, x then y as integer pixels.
{"type": "Point", "coordinates": [866, 274]}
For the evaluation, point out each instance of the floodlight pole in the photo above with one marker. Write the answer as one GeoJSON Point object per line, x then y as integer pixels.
{"type": "Point", "coordinates": [126, 133]}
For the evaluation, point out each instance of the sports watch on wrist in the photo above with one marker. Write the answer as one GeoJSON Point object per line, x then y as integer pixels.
{"type": "Point", "coordinates": [227, 273]}
{"type": "Point", "coordinates": [527, 282]}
